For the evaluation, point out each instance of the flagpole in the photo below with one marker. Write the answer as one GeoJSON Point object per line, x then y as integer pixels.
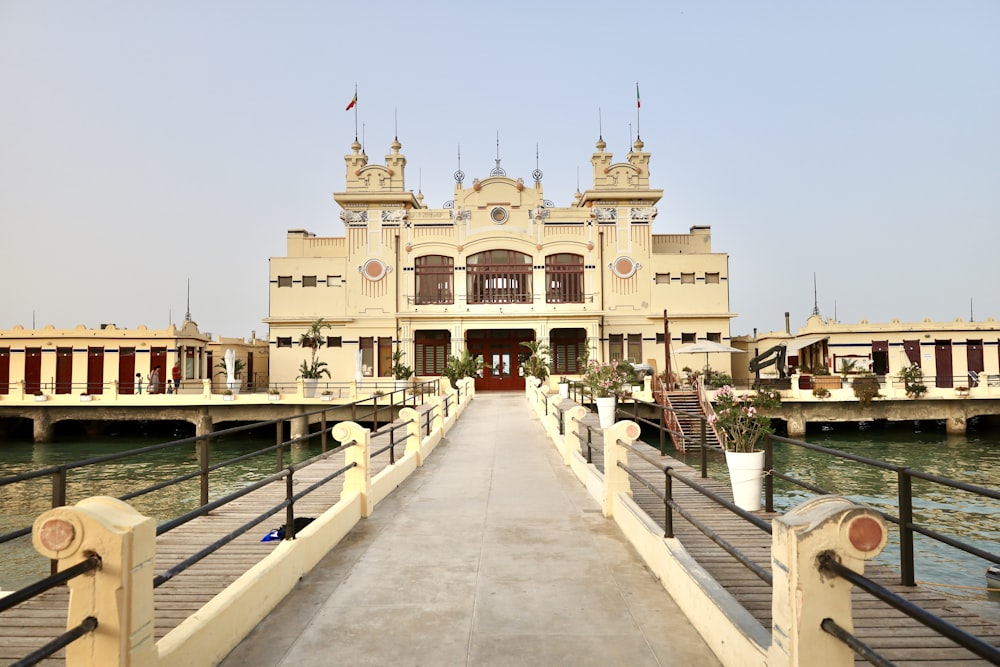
{"type": "Point", "coordinates": [638, 106]}
{"type": "Point", "coordinates": [355, 112]}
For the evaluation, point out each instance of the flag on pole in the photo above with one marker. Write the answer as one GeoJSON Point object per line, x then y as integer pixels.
{"type": "Point", "coordinates": [354, 100]}
{"type": "Point", "coordinates": [638, 102]}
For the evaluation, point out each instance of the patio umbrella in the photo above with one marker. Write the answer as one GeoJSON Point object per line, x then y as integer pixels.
{"type": "Point", "coordinates": [706, 346]}
{"type": "Point", "coordinates": [358, 371]}
{"type": "Point", "coordinates": [230, 361]}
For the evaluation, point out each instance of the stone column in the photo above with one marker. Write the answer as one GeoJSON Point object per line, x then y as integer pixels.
{"type": "Point", "coordinates": [358, 478]}
{"type": "Point", "coordinates": [42, 426]}
{"type": "Point", "coordinates": [615, 479]}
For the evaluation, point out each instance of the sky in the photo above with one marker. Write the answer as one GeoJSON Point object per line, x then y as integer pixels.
{"type": "Point", "coordinates": [147, 145]}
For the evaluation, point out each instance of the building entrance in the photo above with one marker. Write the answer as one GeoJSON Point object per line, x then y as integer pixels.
{"type": "Point", "coordinates": [502, 353]}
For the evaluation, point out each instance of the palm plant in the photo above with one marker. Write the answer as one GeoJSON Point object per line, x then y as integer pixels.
{"type": "Point", "coordinates": [313, 368]}
{"type": "Point", "coordinates": [463, 366]}
{"type": "Point", "coordinates": [537, 364]}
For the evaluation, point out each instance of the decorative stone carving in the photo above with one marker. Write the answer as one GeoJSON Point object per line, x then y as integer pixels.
{"type": "Point", "coordinates": [605, 214]}
{"type": "Point", "coordinates": [394, 215]}
{"type": "Point", "coordinates": [354, 216]}
{"type": "Point", "coordinates": [642, 214]}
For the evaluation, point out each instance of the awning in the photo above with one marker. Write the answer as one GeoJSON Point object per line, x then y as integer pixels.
{"type": "Point", "coordinates": [794, 346]}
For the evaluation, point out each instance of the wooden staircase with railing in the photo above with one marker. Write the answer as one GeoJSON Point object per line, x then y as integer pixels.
{"type": "Point", "coordinates": [684, 419]}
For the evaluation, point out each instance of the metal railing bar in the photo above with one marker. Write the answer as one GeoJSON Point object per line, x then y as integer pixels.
{"type": "Point", "coordinates": [221, 542]}
{"type": "Point", "coordinates": [984, 650]}
{"type": "Point", "coordinates": [708, 493]}
{"type": "Point", "coordinates": [763, 574]}
{"type": "Point", "coordinates": [13, 535]}
{"type": "Point", "coordinates": [862, 649]}
{"type": "Point", "coordinates": [37, 588]}
{"type": "Point", "coordinates": [87, 625]}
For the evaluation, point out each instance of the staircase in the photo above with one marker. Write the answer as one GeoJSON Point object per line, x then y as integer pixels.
{"type": "Point", "coordinates": [687, 409]}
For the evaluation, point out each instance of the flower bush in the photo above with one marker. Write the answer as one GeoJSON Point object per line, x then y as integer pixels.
{"type": "Point", "coordinates": [603, 380]}
{"type": "Point", "coordinates": [740, 420]}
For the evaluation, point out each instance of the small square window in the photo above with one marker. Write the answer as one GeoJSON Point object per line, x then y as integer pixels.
{"type": "Point", "coordinates": [333, 281]}
{"type": "Point", "coordinates": [309, 281]}
{"type": "Point", "coordinates": [714, 337]}
{"type": "Point", "coordinates": [659, 339]}
{"type": "Point", "coordinates": [284, 341]}
{"type": "Point", "coordinates": [712, 278]}
{"type": "Point", "coordinates": [687, 279]}
{"type": "Point", "coordinates": [687, 338]}
{"type": "Point", "coordinates": [334, 341]}
{"type": "Point", "coordinates": [662, 278]}
{"type": "Point", "coordinates": [284, 281]}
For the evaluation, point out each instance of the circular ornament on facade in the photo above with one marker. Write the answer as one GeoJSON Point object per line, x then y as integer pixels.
{"type": "Point", "coordinates": [538, 246]}
{"type": "Point", "coordinates": [460, 247]}
{"type": "Point", "coordinates": [624, 267]}
{"type": "Point", "coordinates": [499, 215]}
{"type": "Point", "coordinates": [409, 247]}
{"type": "Point", "coordinates": [590, 245]}
{"type": "Point", "coordinates": [374, 269]}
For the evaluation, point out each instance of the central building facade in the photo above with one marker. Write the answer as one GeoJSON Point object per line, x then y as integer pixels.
{"type": "Point", "coordinates": [497, 266]}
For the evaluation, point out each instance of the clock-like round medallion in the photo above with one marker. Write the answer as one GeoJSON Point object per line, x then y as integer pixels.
{"type": "Point", "coordinates": [499, 215]}
{"type": "Point", "coordinates": [624, 267]}
{"type": "Point", "coordinates": [373, 269]}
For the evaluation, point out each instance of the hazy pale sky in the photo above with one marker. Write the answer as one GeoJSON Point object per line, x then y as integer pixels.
{"type": "Point", "coordinates": [144, 144]}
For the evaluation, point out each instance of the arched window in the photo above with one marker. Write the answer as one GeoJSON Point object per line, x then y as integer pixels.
{"type": "Point", "coordinates": [435, 279]}
{"type": "Point", "coordinates": [499, 276]}
{"type": "Point", "coordinates": [564, 278]}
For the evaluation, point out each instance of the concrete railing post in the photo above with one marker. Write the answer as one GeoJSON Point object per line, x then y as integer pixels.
{"type": "Point", "coordinates": [437, 412]}
{"type": "Point", "coordinates": [571, 420]}
{"type": "Point", "coordinates": [615, 479]}
{"type": "Point", "coordinates": [358, 479]}
{"type": "Point", "coordinates": [119, 594]}
{"type": "Point", "coordinates": [206, 388]}
{"type": "Point", "coordinates": [413, 438]}
{"type": "Point", "coordinates": [802, 596]}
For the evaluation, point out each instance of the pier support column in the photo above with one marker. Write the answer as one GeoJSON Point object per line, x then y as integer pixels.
{"type": "Point", "coordinates": [203, 424]}
{"type": "Point", "coordinates": [299, 425]}
{"type": "Point", "coordinates": [955, 424]}
{"type": "Point", "coordinates": [42, 426]}
{"type": "Point", "coordinates": [796, 426]}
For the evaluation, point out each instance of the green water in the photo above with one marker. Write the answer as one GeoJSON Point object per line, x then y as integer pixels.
{"type": "Point", "coordinates": [969, 458]}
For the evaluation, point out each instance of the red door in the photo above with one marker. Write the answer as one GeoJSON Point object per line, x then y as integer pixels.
{"type": "Point", "coordinates": [32, 370]}
{"type": "Point", "coordinates": [158, 359]}
{"type": "Point", "coordinates": [126, 370]}
{"type": "Point", "coordinates": [973, 359]}
{"type": "Point", "coordinates": [942, 363]}
{"type": "Point", "coordinates": [4, 370]}
{"type": "Point", "coordinates": [64, 370]}
{"type": "Point", "coordinates": [95, 370]}
{"type": "Point", "coordinates": [502, 353]}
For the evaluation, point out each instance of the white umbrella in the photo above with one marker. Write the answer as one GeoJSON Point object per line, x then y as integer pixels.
{"type": "Point", "coordinates": [230, 359]}
{"type": "Point", "coordinates": [357, 366]}
{"type": "Point", "coordinates": [706, 346]}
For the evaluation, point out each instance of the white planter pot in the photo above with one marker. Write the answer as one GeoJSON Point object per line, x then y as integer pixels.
{"type": "Point", "coordinates": [746, 470]}
{"type": "Point", "coordinates": [228, 397]}
{"type": "Point", "coordinates": [606, 411]}
{"type": "Point", "coordinates": [326, 397]}
{"type": "Point", "coordinates": [563, 390]}
{"type": "Point", "coordinates": [402, 385]}
{"type": "Point", "coordinates": [85, 398]}
{"type": "Point", "coordinates": [41, 397]}
{"type": "Point", "coordinates": [234, 386]}
{"type": "Point", "coordinates": [273, 397]}
{"type": "Point", "coordinates": [309, 387]}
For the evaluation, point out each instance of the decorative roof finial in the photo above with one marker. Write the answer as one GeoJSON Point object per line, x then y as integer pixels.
{"type": "Point", "coordinates": [459, 174]}
{"type": "Point", "coordinates": [497, 170]}
{"type": "Point", "coordinates": [537, 173]}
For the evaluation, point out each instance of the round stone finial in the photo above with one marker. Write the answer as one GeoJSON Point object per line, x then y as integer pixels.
{"type": "Point", "coordinates": [601, 145]}
{"type": "Point", "coordinates": [356, 146]}
{"type": "Point", "coordinates": [56, 534]}
{"type": "Point", "coordinates": [395, 145]}
{"type": "Point", "coordinates": [865, 534]}
{"type": "Point", "coordinates": [638, 144]}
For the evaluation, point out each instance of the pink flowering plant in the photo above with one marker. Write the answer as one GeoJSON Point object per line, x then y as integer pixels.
{"type": "Point", "coordinates": [603, 380]}
{"type": "Point", "coordinates": [740, 420]}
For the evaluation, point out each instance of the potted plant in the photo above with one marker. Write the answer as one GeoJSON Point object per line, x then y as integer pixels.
{"type": "Point", "coordinates": [741, 422]}
{"type": "Point", "coordinates": [400, 371]}
{"type": "Point", "coordinates": [273, 394]}
{"type": "Point", "coordinates": [232, 367]}
{"type": "Point", "coordinates": [463, 366]}
{"type": "Point", "coordinates": [821, 392]}
{"type": "Point", "coordinates": [39, 396]}
{"type": "Point", "coordinates": [866, 388]}
{"type": "Point", "coordinates": [913, 380]}
{"type": "Point", "coordinates": [604, 382]}
{"type": "Point", "coordinates": [326, 395]}
{"type": "Point", "coordinates": [962, 391]}
{"type": "Point", "coordinates": [563, 387]}
{"type": "Point", "coordinates": [536, 365]}
{"type": "Point", "coordinates": [85, 398]}
{"type": "Point", "coordinates": [313, 369]}
{"type": "Point", "coordinates": [228, 395]}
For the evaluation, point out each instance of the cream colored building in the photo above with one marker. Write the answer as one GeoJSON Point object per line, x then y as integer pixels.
{"type": "Point", "coordinates": [98, 361]}
{"type": "Point", "coordinates": [950, 354]}
{"type": "Point", "coordinates": [496, 266]}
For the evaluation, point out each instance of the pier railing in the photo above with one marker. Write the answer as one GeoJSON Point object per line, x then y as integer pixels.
{"type": "Point", "coordinates": [802, 608]}
{"type": "Point", "coordinates": [68, 534]}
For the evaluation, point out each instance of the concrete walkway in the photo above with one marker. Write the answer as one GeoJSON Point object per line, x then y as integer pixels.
{"type": "Point", "coordinates": [492, 553]}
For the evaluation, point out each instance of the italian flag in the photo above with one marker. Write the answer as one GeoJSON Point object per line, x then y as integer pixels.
{"type": "Point", "coordinates": [354, 100]}
{"type": "Point", "coordinates": [638, 102]}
